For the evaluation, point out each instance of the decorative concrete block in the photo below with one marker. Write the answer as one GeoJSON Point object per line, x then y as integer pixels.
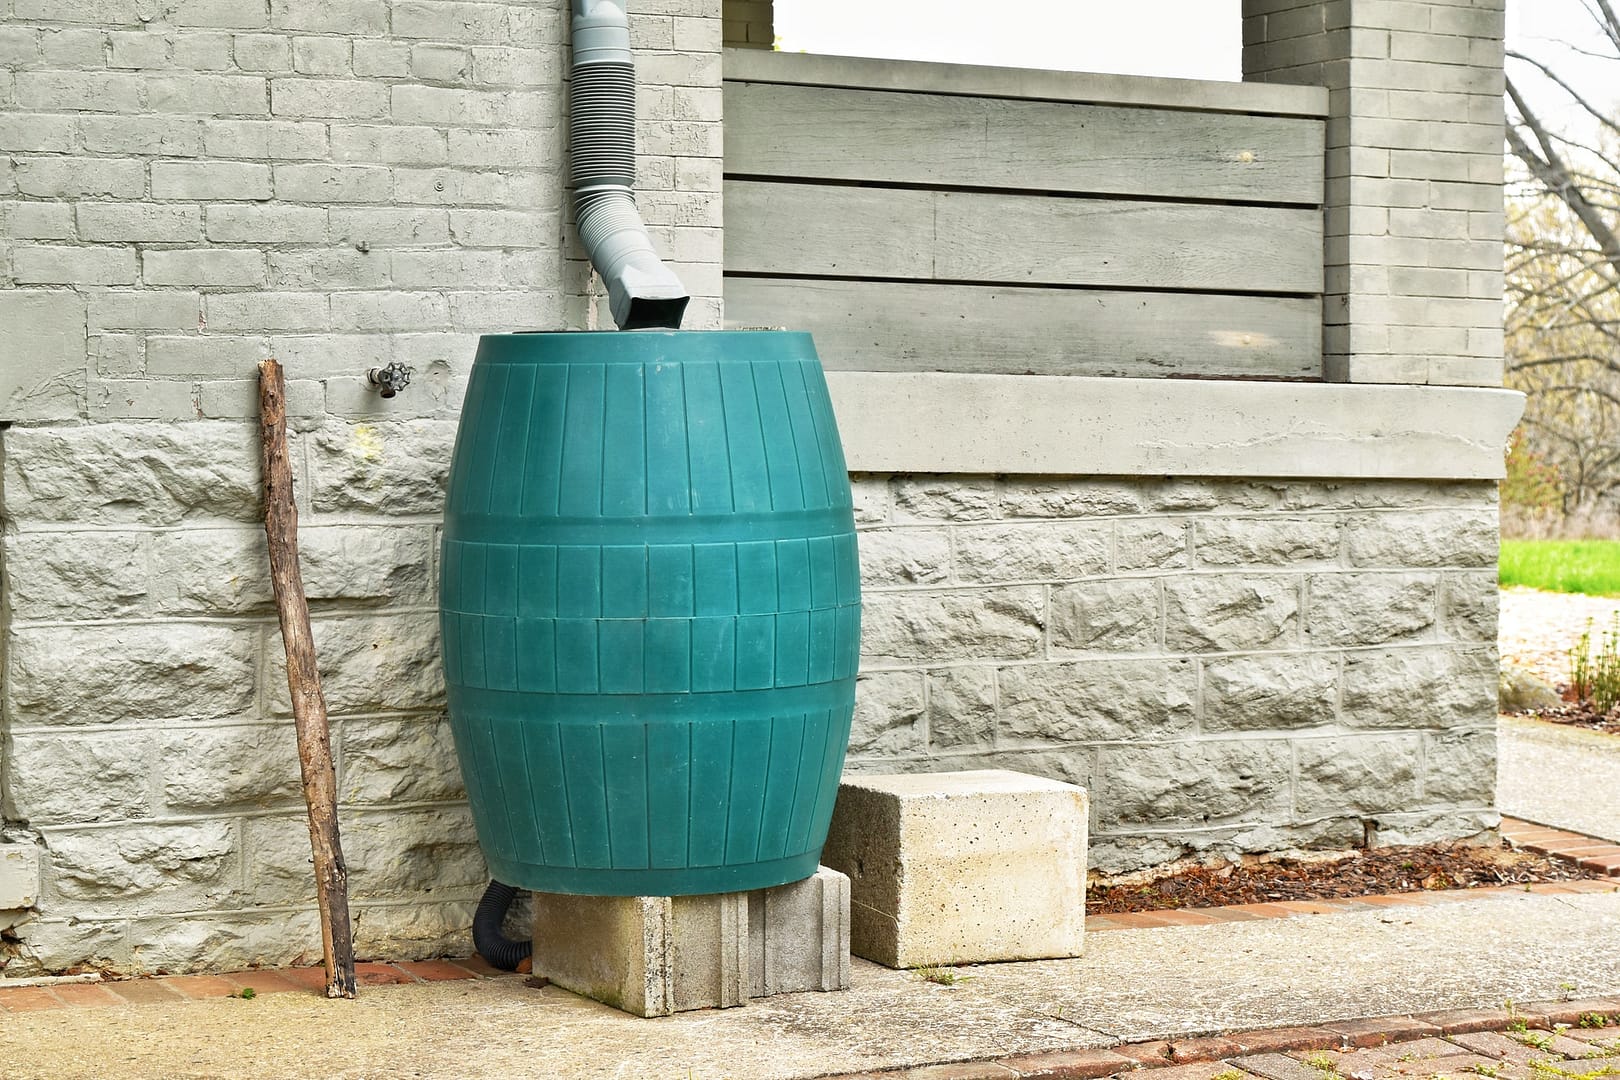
{"type": "Point", "coordinates": [965, 867]}
{"type": "Point", "coordinates": [657, 955]}
{"type": "Point", "coordinates": [647, 955]}
{"type": "Point", "coordinates": [798, 936]}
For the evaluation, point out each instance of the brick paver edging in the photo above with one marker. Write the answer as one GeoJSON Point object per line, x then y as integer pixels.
{"type": "Point", "coordinates": [1586, 851]}
{"type": "Point", "coordinates": [147, 991]}
{"type": "Point", "coordinates": [1288, 909]}
{"type": "Point", "coordinates": [1379, 1048]}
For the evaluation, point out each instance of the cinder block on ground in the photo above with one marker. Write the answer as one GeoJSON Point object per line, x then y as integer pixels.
{"type": "Point", "coordinates": [799, 935]}
{"type": "Point", "coordinates": [657, 955]}
{"type": "Point", "coordinates": [966, 867]}
{"type": "Point", "coordinates": [647, 955]}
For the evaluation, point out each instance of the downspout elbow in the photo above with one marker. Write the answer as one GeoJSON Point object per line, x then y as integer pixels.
{"type": "Point", "coordinates": [643, 293]}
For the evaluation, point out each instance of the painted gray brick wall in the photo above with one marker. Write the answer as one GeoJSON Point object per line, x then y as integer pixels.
{"type": "Point", "coordinates": [1228, 666]}
{"type": "Point", "coordinates": [184, 190]}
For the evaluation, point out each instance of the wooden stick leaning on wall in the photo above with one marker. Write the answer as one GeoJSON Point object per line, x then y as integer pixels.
{"type": "Point", "coordinates": [304, 683]}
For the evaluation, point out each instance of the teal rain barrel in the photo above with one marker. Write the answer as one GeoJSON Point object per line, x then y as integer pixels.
{"type": "Point", "coordinates": [650, 606]}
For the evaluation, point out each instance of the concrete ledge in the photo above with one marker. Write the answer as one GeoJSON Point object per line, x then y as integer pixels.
{"type": "Point", "coordinates": [961, 868]}
{"type": "Point", "coordinates": [861, 73]}
{"type": "Point", "coordinates": [1077, 426]}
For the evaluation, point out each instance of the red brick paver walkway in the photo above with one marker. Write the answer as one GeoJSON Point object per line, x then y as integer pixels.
{"type": "Point", "coordinates": [1593, 854]}
{"type": "Point", "coordinates": [66, 994]}
{"type": "Point", "coordinates": [1559, 1040]}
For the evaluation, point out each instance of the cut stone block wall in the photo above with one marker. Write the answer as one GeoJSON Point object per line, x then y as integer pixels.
{"type": "Point", "coordinates": [184, 190]}
{"type": "Point", "coordinates": [1226, 665]}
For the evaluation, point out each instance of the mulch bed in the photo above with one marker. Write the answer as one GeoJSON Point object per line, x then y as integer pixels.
{"type": "Point", "coordinates": [1361, 873]}
{"type": "Point", "coordinates": [1581, 714]}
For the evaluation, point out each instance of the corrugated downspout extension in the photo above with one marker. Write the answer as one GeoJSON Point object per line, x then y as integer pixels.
{"type": "Point", "coordinates": [643, 293]}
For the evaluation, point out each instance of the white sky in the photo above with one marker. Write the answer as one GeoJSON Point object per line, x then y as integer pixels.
{"type": "Point", "coordinates": [1190, 39]}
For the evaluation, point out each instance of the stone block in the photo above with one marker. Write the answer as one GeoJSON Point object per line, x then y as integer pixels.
{"type": "Point", "coordinates": [382, 468]}
{"type": "Point", "coordinates": [1068, 498]}
{"type": "Point", "coordinates": [1150, 544]}
{"type": "Point", "coordinates": [1364, 774]}
{"type": "Point", "coordinates": [1193, 784]}
{"type": "Point", "coordinates": [1260, 693]}
{"type": "Point", "coordinates": [967, 624]}
{"type": "Point", "coordinates": [98, 777]}
{"type": "Point", "coordinates": [1420, 687]}
{"type": "Point", "coordinates": [905, 557]}
{"type": "Point", "coordinates": [1097, 701]}
{"type": "Point", "coordinates": [965, 867]}
{"type": "Point", "coordinates": [1030, 552]}
{"type": "Point", "coordinates": [155, 868]}
{"type": "Point", "coordinates": [945, 499]}
{"type": "Point", "coordinates": [1106, 616]}
{"type": "Point", "coordinates": [962, 708]}
{"type": "Point", "coordinates": [798, 936]}
{"type": "Point", "coordinates": [211, 768]}
{"type": "Point", "coordinates": [1369, 609]}
{"type": "Point", "coordinates": [76, 675]}
{"type": "Point", "coordinates": [1239, 541]}
{"type": "Point", "coordinates": [19, 876]}
{"type": "Point", "coordinates": [146, 473]}
{"type": "Point", "coordinates": [658, 955]}
{"type": "Point", "coordinates": [1227, 613]}
{"type": "Point", "coordinates": [889, 708]}
{"type": "Point", "coordinates": [86, 575]}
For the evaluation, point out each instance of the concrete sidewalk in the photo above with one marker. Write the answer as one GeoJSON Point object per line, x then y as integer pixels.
{"type": "Point", "coordinates": [1377, 957]}
{"type": "Point", "coordinates": [1566, 777]}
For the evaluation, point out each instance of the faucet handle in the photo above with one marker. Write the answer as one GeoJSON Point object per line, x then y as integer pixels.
{"type": "Point", "coordinates": [390, 380]}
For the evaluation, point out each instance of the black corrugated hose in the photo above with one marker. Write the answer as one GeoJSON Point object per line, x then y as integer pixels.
{"type": "Point", "coordinates": [492, 944]}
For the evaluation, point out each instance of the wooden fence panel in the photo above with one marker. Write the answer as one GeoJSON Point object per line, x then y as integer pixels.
{"type": "Point", "coordinates": [916, 222]}
{"type": "Point", "coordinates": [899, 326]}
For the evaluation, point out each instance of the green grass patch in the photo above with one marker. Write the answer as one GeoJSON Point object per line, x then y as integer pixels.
{"type": "Point", "coordinates": [1567, 566]}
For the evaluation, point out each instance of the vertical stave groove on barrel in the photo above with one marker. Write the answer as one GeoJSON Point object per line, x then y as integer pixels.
{"type": "Point", "coordinates": [650, 609]}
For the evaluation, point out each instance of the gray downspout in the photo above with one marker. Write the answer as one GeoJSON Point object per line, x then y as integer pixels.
{"type": "Point", "coordinates": [643, 293]}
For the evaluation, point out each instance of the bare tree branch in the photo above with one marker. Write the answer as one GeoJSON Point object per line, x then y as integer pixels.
{"type": "Point", "coordinates": [1596, 113]}
{"type": "Point", "coordinates": [1551, 170]}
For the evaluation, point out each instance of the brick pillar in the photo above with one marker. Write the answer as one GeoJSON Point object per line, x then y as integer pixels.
{"type": "Point", "coordinates": [750, 24]}
{"type": "Point", "coordinates": [1414, 178]}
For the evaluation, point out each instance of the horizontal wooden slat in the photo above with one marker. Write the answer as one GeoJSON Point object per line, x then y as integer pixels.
{"type": "Point", "coordinates": [774, 228]}
{"type": "Point", "coordinates": [885, 326]}
{"type": "Point", "coordinates": [859, 72]}
{"type": "Point", "coordinates": [938, 140]}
